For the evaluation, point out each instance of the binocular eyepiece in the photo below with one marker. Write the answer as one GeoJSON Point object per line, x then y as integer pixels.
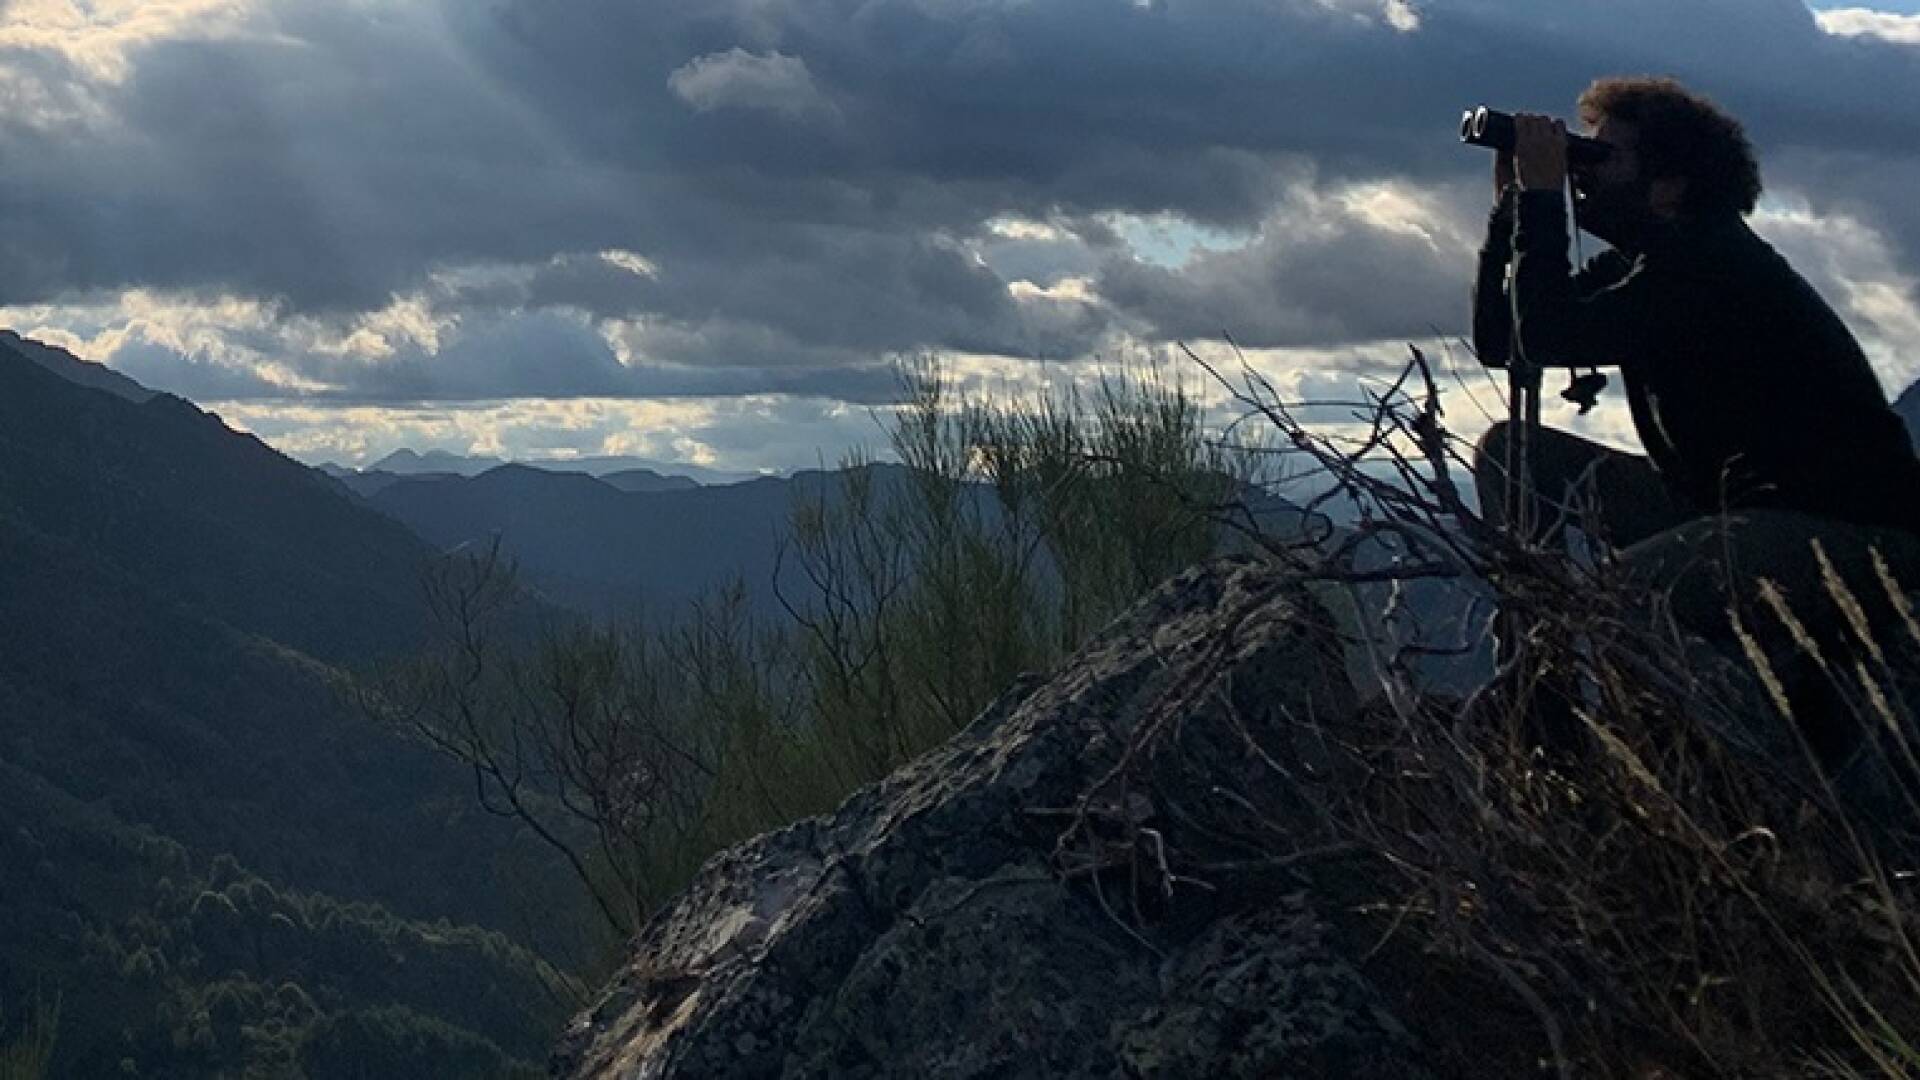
{"type": "Point", "coordinates": [1494, 130]}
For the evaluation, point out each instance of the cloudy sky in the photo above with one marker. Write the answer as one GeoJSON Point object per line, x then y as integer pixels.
{"type": "Point", "coordinates": [705, 231]}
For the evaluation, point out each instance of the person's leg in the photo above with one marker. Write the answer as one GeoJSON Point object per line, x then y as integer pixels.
{"type": "Point", "coordinates": [1705, 571]}
{"type": "Point", "coordinates": [1610, 496]}
{"type": "Point", "coordinates": [1570, 472]}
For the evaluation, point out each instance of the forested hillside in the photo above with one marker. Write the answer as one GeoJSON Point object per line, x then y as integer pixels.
{"type": "Point", "coordinates": [214, 863]}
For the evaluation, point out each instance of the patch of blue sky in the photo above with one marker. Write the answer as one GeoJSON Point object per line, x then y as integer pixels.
{"type": "Point", "coordinates": [1172, 241]}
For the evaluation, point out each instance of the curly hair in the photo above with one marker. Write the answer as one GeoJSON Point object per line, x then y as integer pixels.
{"type": "Point", "coordinates": [1682, 134]}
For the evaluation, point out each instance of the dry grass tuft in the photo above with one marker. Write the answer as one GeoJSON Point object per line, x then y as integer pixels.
{"type": "Point", "coordinates": [1622, 842]}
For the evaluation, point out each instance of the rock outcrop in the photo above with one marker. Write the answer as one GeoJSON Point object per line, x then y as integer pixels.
{"type": "Point", "coordinates": [934, 926]}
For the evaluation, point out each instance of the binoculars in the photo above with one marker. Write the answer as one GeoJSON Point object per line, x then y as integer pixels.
{"type": "Point", "coordinates": [1494, 130]}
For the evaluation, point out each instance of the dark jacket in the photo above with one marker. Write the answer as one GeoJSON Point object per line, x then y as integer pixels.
{"type": "Point", "coordinates": [1746, 389]}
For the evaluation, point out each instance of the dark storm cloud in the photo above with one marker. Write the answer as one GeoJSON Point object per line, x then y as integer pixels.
{"type": "Point", "coordinates": [950, 112]}
{"type": "Point", "coordinates": [1315, 275]}
{"type": "Point", "coordinates": [344, 150]}
{"type": "Point", "coordinates": [810, 181]}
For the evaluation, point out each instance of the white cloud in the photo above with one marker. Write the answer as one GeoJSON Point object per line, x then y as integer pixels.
{"type": "Point", "coordinates": [58, 57]}
{"type": "Point", "coordinates": [743, 80]}
{"type": "Point", "coordinates": [637, 265]}
{"type": "Point", "coordinates": [1013, 227]}
{"type": "Point", "coordinates": [1399, 15]}
{"type": "Point", "coordinates": [97, 36]}
{"type": "Point", "coordinates": [1411, 211]}
{"type": "Point", "coordinates": [409, 321]}
{"type": "Point", "coordinates": [1867, 22]}
{"type": "Point", "coordinates": [766, 433]}
{"type": "Point", "coordinates": [191, 346]}
{"type": "Point", "coordinates": [1077, 290]}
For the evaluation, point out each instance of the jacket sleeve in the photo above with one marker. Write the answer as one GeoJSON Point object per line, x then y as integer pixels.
{"type": "Point", "coordinates": [1492, 310]}
{"type": "Point", "coordinates": [1592, 319]}
{"type": "Point", "coordinates": [1541, 233]}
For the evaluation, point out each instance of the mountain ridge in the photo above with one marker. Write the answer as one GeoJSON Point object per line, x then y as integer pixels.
{"type": "Point", "coordinates": [178, 608]}
{"type": "Point", "coordinates": [587, 544]}
{"type": "Point", "coordinates": [160, 486]}
{"type": "Point", "coordinates": [75, 370]}
{"type": "Point", "coordinates": [408, 462]}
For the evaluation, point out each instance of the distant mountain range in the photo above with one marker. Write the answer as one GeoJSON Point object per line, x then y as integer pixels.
{"type": "Point", "coordinates": [406, 462]}
{"type": "Point", "coordinates": [585, 544]}
{"type": "Point", "coordinates": [1908, 406]}
{"type": "Point", "coordinates": [371, 482]}
{"type": "Point", "coordinates": [595, 546]}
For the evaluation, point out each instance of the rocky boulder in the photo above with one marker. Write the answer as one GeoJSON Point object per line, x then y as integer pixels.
{"type": "Point", "coordinates": [945, 923]}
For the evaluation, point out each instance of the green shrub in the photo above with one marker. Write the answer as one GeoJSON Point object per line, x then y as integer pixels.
{"type": "Point", "coordinates": [25, 1054]}
{"type": "Point", "coordinates": [1007, 533]}
{"type": "Point", "coordinates": [373, 1044]}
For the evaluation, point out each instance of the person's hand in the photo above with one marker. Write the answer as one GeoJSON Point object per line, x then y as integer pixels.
{"type": "Point", "coordinates": [1540, 152]}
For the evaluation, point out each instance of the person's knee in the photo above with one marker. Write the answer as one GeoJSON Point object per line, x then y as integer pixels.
{"type": "Point", "coordinates": [1492, 447]}
{"type": "Point", "coordinates": [1490, 459]}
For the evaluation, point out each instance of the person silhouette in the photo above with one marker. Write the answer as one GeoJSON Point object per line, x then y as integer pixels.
{"type": "Point", "coordinates": [1765, 428]}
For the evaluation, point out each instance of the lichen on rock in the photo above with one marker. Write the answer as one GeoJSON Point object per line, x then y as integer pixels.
{"type": "Point", "coordinates": [938, 924]}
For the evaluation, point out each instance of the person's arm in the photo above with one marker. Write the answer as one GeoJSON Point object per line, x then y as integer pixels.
{"type": "Point", "coordinates": [1493, 303]}
{"type": "Point", "coordinates": [1492, 308]}
{"type": "Point", "coordinates": [1592, 319]}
